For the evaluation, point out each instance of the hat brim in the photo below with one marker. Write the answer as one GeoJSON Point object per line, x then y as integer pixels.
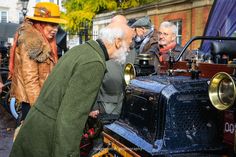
{"type": "Point", "coordinates": [52, 20]}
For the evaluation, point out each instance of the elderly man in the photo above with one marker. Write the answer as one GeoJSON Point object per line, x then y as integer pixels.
{"type": "Point", "coordinates": [56, 121]}
{"type": "Point", "coordinates": [145, 39]}
{"type": "Point", "coordinates": [119, 19]}
{"type": "Point", "coordinates": [110, 97]}
{"type": "Point", "coordinates": [167, 42]}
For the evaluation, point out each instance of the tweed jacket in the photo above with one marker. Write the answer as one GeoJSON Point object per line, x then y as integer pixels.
{"type": "Point", "coordinates": [56, 122]}
{"type": "Point", "coordinates": [32, 64]}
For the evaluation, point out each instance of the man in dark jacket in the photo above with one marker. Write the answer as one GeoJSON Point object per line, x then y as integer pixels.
{"type": "Point", "coordinates": [146, 41]}
{"type": "Point", "coordinates": [54, 125]}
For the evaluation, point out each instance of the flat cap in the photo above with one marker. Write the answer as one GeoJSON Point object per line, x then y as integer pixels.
{"type": "Point", "coordinates": [142, 22]}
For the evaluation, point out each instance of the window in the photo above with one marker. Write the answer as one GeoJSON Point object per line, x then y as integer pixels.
{"type": "Point", "coordinates": [179, 31]}
{"type": "Point", "coordinates": [3, 15]}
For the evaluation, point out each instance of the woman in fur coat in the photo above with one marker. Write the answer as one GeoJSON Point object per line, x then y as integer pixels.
{"type": "Point", "coordinates": [34, 54]}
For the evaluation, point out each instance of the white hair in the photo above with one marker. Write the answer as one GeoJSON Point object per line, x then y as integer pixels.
{"type": "Point", "coordinates": [167, 24]}
{"type": "Point", "coordinates": [110, 34]}
{"type": "Point", "coordinates": [121, 53]}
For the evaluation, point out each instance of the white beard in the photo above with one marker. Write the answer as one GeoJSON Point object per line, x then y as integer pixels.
{"type": "Point", "coordinates": [120, 54]}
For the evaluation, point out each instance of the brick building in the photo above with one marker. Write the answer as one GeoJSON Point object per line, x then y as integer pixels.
{"type": "Point", "coordinates": [190, 16]}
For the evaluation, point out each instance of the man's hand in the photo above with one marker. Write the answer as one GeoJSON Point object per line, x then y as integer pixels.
{"type": "Point", "coordinates": [94, 114]}
{"type": "Point", "coordinates": [1, 86]}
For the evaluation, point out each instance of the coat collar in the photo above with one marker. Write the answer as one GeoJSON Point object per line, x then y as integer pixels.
{"type": "Point", "coordinates": [100, 42]}
{"type": "Point", "coordinates": [99, 46]}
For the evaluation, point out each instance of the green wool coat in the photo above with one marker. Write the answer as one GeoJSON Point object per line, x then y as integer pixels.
{"type": "Point", "coordinates": [54, 125]}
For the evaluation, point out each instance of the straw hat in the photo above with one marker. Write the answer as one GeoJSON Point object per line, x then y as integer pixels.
{"type": "Point", "coordinates": [47, 12]}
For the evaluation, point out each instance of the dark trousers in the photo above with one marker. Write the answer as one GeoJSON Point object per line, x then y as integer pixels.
{"type": "Point", "coordinates": [25, 107]}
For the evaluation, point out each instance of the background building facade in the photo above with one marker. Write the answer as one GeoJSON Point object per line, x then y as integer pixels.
{"type": "Point", "coordinates": [189, 16]}
{"type": "Point", "coordinates": [10, 11]}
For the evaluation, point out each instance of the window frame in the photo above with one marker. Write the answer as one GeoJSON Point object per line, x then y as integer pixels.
{"type": "Point", "coordinates": [6, 16]}
{"type": "Point", "coordinates": [179, 35]}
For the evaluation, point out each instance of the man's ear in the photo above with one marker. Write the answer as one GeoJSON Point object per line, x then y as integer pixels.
{"type": "Point", "coordinates": [118, 43]}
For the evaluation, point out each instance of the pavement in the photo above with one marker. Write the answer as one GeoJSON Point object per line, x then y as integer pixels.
{"type": "Point", "coordinates": [7, 127]}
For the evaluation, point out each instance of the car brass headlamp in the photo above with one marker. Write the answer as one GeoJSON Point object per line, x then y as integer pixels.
{"type": "Point", "coordinates": [222, 91]}
{"type": "Point", "coordinates": [129, 72]}
{"type": "Point", "coordinates": [143, 68]}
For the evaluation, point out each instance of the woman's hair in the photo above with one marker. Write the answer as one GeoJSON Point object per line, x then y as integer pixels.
{"type": "Point", "coordinates": [109, 34]}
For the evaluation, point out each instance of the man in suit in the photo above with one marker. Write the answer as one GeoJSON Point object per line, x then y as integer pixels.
{"type": "Point", "coordinates": [56, 121]}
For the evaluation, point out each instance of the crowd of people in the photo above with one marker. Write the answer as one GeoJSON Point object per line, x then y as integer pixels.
{"type": "Point", "coordinates": [58, 96]}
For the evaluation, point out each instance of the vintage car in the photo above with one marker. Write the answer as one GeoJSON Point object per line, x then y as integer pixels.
{"type": "Point", "coordinates": [186, 110]}
{"type": "Point", "coordinates": [175, 113]}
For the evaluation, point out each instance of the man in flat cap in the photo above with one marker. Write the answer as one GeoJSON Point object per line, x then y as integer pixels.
{"type": "Point", "coordinates": [142, 22]}
{"type": "Point", "coordinates": [145, 39]}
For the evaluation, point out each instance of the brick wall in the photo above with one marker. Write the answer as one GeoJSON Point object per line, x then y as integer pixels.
{"type": "Point", "coordinates": [194, 15]}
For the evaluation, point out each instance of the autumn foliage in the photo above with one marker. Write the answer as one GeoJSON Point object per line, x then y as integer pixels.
{"type": "Point", "coordinates": [79, 12]}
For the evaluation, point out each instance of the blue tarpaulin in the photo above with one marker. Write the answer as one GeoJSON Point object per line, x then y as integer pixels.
{"type": "Point", "coordinates": [221, 21]}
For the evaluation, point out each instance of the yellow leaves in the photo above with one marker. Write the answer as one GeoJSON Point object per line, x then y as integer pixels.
{"type": "Point", "coordinates": [129, 3]}
{"type": "Point", "coordinates": [79, 11]}
{"type": "Point", "coordinates": [76, 18]}
{"type": "Point", "coordinates": [112, 5]}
